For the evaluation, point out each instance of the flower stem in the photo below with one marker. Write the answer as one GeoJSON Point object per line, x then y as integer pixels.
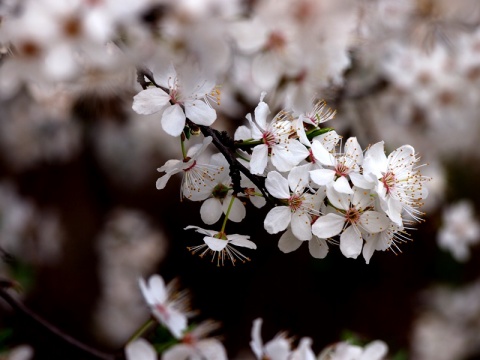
{"type": "Point", "coordinates": [227, 214]}
{"type": "Point", "coordinates": [182, 144]}
{"type": "Point", "coordinates": [141, 330]}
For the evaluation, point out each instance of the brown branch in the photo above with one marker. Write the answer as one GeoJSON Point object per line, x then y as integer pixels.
{"type": "Point", "coordinates": [37, 319]}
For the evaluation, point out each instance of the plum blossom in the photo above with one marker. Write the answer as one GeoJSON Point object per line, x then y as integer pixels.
{"type": "Point", "coordinates": [383, 240]}
{"type": "Point", "coordinates": [352, 217]}
{"type": "Point", "coordinates": [167, 306]}
{"type": "Point", "coordinates": [273, 138]}
{"type": "Point", "coordinates": [397, 180]}
{"type": "Point", "coordinates": [195, 174]}
{"type": "Point", "coordinates": [221, 245]}
{"type": "Point", "coordinates": [276, 349]}
{"type": "Point", "coordinates": [220, 195]}
{"type": "Point", "coordinates": [299, 205]}
{"type": "Point", "coordinates": [339, 167]}
{"type": "Point", "coordinates": [312, 120]}
{"type": "Point", "coordinates": [187, 97]}
{"type": "Point", "coordinates": [195, 346]}
{"type": "Point", "coordinates": [460, 230]}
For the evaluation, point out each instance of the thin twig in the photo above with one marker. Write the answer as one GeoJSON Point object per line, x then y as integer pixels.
{"type": "Point", "coordinates": [37, 319]}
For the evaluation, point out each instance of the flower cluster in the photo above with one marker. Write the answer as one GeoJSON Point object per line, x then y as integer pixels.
{"type": "Point", "coordinates": [321, 186]}
{"type": "Point", "coordinates": [192, 343]}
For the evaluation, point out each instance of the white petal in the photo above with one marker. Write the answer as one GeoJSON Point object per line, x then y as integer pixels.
{"type": "Point", "coordinates": [369, 247]}
{"type": "Point", "coordinates": [237, 212]}
{"type": "Point", "coordinates": [261, 112]}
{"type": "Point", "coordinates": [298, 178]}
{"type": "Point", "coordinates": [361, 198]}
{"type": "Point", "coordinates": [322, 177]}
{"type": "Point", "coordinates": [375, 161]}
{"type": "Point", "coordinates": [395, 211]}
{"type": "Point", "coordinates": [259, 160]}
{"type": "Point", "coordinates": [288, 242]}
{"type": "Point", "coordinates": [200, 113]}
{"type": "Point", "coordinates": [140, 349]}
{"type": "Point", "coordinates": [266, 70]}
{"type": "Point", "coordinates": [374, 221]}
{"type": "Point", "coordinates": [401, 158]}
{"type": "Point", "coordinates": [296, 151]}
{"type": "Point", "coordinates": [240, 240]}
{"type": "Point", "coordinates": [353, 150]}
{"type": "Point", "coordinates": [318, 248]}
{"type": "Point", "coordinates": [211, 349]}
{"type": "Point", "coordinates": [277, 219]}
{"type": "Point", "coordinates": [351, 243]}
{"type": "Point", "coordinates": [242, 133]}
{"type": "Point", "coordinates": [278, 349]}
{"type": "Point", "coordinates": [361, 181]}
{"type": "Point", "coordinates": [178, 351]}
{"type": "Point", "coordinates": [215, 244]}
{"type": "Point", "coordinates": [150, 101]}
{"type": "Point", "coordinates": [301, 226]}
{"type": "Point", "coordinates": [338, 200]}
{"type": "Point", "coordinates": [342, 185]}
{"type": "Point", "coordinates": [173, 120]}
{"type": "Point", "coordinates": [256, 343]}
{"type": "Point", "coordinates": [162, 181]}
{"type": "Point", "coordinates": [321, 154]}
{"type": "Point", "coordinates": [201, 231]}
{"type": "Point", "coordinates": [176, 322]}
{"type": "Point", "coordinates": [328, 225]}
{"type": "Point", "coordinates": [277, 185]}
{"type": "Point", "coordinates": [211, 211]}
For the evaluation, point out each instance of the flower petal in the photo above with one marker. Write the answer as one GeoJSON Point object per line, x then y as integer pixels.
{"type": "Point", "coordinates": [215, 244]}
{"type": "Point", "coordinates": [277, 185]}
{"type": "Point", "coordinates": [150, 101]}
{"type": "Point", "coordinates": [318, 247]}
{"type": "Point", "coordinates": [237, 211]}
{"type": "Point", "coordinates": [200, 112]}
{"type": "Point", "coordinates": [211, 211]}
{"type": "Point", "coordinates": [374, 221]}
{"type": "Point", "coordinates": [259, 160]}
{"type": "Point", "coordinates": [140, 349]}
{"type": "Point", "coordinates": [322, 177]}
{"type": "Point", "coordinates": [288, 242]}
{"type": "Point", "coordinates": [328, 225]}
{"type": "Point", "coordinates": [173, 120]}
{"type": "Point", "coordinates": [301, 225]}
{"type": "Point", "coordinates": [351, 242]}
{"type": "Point", "coordinates": [277, 219]}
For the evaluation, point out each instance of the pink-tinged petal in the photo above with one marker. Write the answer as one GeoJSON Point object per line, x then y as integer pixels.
{"type": "Point", "coordinates": [402, 157]}
{"type": "Point", "coordinates": [140, 349]}
{"type": "Point", "coordinates": [176, 322]}
{"type": "Point", "coordinates": [301, 226]}
{"type": "Point", "coordinates": [376, 350]}
{"type": "Point", "coordinates": [178, 351]}
{"type": "Point", "coordinates": [149, 298]}
{"type": "Point", "coordinates": [259, 159]}
{"type": "Point", "coordinates": [322, 177]}
{"type": "Point", "coordinates": [328, 225]}
{"type": "Point", "coordinates": [277, 185]}
{"type": "Point", "coordinates": [200, 113]}
{"type": "Point", "coordinates": [288, 242]}
{"type": "Point", "coordinates": [173, 120]}
{"type": "Point", "coordinates": [214, 243]}
{"type": "Point", "coordinates": [277, 219]}
{"type": "Point", "coordinates": [321, 154]}
{"type": "Point", "coordinates": [375, 161]}
{"type": "Point", "coordinates": [242, 133]}
{"type": "Point", "coordinates": [150, 101]}
{"type": "Point", "coordinates": [338, 200]}
{"type": "Point", "coordinates": [351, 242]}
{"type": "Point", "coordinates": [239, 240]}
{"type": "Point", "coordinates": [374, 221]}
{"type": "Point", "coordinates": [353, 150]}
{"type": "Point", "coordinates": [237, 212]}
{"type": "Point", "coordinates": [318, 248]}
{"type": "Point", "coordinates": [369, 247]}
{"type": "Point", "coordinates": [342, 186]}
{"type": "Point", "coordinates": [211, 211]}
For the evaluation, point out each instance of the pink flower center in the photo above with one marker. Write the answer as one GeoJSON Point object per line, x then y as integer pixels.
{"type": "Point", "coordinates": [191, 166]}
{"type": "Point", "coordinates": [269, 138]}
{"type": "Point", "coordinates": [162, 310]}
{"type": "Point", "coordinates": [341, 170]}
{"type": "Point", "coordinates": [388, 181]}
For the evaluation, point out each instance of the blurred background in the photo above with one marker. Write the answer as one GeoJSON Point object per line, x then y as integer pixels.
{"type": "Point", "coordinates": [81, 219]}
